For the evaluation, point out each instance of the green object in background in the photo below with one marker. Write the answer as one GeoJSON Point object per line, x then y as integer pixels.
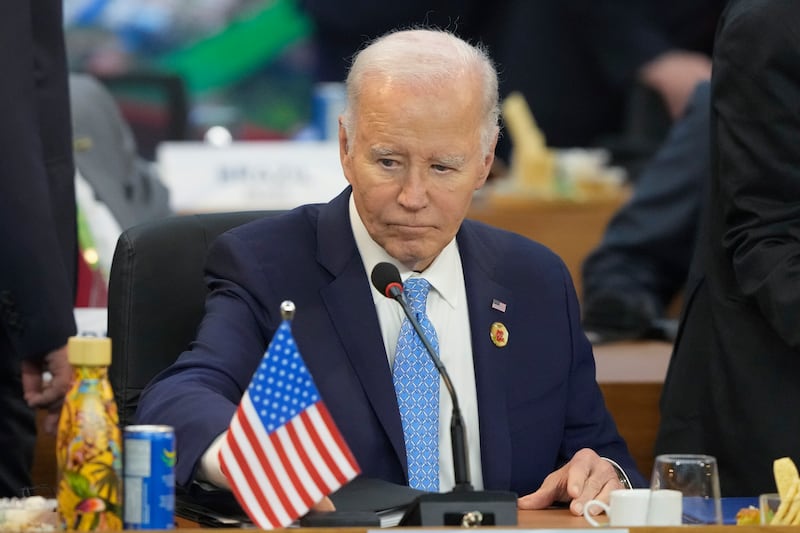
{"type": "Point", "coordinates": [240, 49]}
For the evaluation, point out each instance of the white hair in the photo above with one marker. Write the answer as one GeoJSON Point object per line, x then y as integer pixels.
{"type": "Point", "coordinates": [427, 58]}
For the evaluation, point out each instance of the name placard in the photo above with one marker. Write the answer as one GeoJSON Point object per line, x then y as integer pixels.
{"type": "Point", "coordinates": [249, 175]}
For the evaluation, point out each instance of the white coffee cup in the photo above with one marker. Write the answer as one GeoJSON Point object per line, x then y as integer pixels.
{"type": "Point", "coordinates": [638, 507]}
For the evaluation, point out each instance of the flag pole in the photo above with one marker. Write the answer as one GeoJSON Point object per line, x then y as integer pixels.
{"type": "Point", "coordinates": [287, 310]}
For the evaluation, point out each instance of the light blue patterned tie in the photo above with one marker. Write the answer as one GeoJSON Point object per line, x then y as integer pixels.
{"type": "Point", "coordinates": [416, 383]}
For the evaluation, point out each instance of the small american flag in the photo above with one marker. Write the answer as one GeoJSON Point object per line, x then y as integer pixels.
{"type": "Point", "coordinates": [497, 304]}
{"type": "Point", "coordinates": [283, 452]}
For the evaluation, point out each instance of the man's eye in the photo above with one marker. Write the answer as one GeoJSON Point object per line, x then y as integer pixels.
{"type": "Point", "coordinates": [388, 163]}
{"type": "Point", "coordinates": [440, 168]}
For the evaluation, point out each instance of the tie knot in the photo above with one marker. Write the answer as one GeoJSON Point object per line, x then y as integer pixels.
{"type": "Point", "coordinates": [416, 290]}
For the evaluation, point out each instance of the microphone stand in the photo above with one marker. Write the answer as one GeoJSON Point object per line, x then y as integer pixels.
{"type": "Point", "coordinates": [462, 506]}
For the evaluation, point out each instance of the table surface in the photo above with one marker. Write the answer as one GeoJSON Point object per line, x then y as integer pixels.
{"type": "Point", "coordinates": [563, 519]}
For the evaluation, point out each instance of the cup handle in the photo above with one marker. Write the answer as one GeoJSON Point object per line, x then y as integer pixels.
{"type": "Point", "coordinates": [588, 516]}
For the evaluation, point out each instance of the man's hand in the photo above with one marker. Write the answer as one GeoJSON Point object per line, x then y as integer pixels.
{"type": "Point", "coordinates": [674, 75]}
{"type": "Point", "coordinates": [48, 395]}
{"type": "Point", "coordinates": [585, 477]}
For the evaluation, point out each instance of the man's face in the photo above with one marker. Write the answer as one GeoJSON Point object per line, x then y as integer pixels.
{"type": "Point", "coordinates": [414, 159]}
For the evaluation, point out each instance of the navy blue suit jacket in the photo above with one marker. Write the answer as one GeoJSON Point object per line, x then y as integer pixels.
{"type": "Point", "coordinates": [538, 401]}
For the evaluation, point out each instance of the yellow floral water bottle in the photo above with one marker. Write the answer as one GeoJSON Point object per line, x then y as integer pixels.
{"type": "Point", "coordinates": [88, 442]}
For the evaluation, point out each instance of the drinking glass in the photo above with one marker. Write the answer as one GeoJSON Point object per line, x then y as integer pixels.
{"type": "Point", "coordinates": [696, 477]}
{"type": "Point", "coordinates": [767, 507]}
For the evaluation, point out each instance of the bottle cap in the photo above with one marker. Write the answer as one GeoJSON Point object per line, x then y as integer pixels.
{"type": "Point", "coordinates": [89, 351]}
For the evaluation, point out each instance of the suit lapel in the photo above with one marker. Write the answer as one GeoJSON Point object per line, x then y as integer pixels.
{"type": "Point", "coordinates": [489, 361]}
{"type": "Point", "coordinates": [348, 299]}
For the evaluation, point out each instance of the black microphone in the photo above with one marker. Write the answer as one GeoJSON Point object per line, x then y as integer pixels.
{"type": "Point", "coordinates": [462, 506]}
{"type": "Point", "coordinates": [386, 278]}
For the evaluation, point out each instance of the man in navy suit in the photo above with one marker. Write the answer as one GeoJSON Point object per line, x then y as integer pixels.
{"type": "Point", "coordinates": [416, 140]}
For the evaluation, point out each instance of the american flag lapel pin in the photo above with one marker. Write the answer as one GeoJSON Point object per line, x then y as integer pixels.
{"type": "Point", "coordinates": [497, 304]}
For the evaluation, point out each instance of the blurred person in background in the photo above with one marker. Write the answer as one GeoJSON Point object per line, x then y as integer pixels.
{"type": "Point", "coordinates": [581, 63]}
{"type": "Point", "coordinates": [631, 278]}
{"type": "Point", "coordinates": [662, 50]}
{"type": "Point", "coordinates": [37, 230]}
{"type": "Point", "coordinates": [115, 187]}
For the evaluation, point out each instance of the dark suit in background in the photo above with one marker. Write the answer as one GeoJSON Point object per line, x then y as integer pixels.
{"type": "Point", "coordinates": [733, 387]}
{"type": "Point", "coordinates": [538, 401]}
{"type": "Point", "coordinates": [37, 215]}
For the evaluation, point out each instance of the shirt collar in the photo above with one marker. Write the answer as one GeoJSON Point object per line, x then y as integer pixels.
{"type": "Point", "coordinates": [440, 274]}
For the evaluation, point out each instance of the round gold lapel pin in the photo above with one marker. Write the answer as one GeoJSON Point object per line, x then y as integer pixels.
{"type": "Point", "coordinates": [499, 334]}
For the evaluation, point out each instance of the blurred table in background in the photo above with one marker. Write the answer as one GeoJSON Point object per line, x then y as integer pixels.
{"type": "Point", "coordinates": [570, 228]}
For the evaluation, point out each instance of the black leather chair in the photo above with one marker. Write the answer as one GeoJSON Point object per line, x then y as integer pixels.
{"type": "Point", "coordinates": [156, 295]}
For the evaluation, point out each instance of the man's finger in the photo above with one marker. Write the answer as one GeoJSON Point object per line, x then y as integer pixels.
{"type": "Point", "coordinates": [324, 505]}
{"type": "Point", "coordinates": [31, 380]}
{"type": "Point", "coordinates": [580, 471]}
{"type": "Point", "coordinates": [535, 500]}
{"type": "Point", "coordinates": [50, 423]}
{"type": "Point", "coordinates": [552, 490]}
{"type": "Point", "coordinates": [597, 484]}
{"type": "Point", "coordinates": [49, 397]}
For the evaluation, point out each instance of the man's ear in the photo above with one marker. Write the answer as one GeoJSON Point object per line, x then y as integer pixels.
{"type": "Point", "coordinates": [488, 161]}
{"type": "Point", "coordinates": [344, 150]}
{"type": "Point", "coordinates": [344, 146]}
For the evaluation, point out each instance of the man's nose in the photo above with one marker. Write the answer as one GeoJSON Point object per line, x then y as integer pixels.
{"type": "Point", "coordinates": [414, 190]}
